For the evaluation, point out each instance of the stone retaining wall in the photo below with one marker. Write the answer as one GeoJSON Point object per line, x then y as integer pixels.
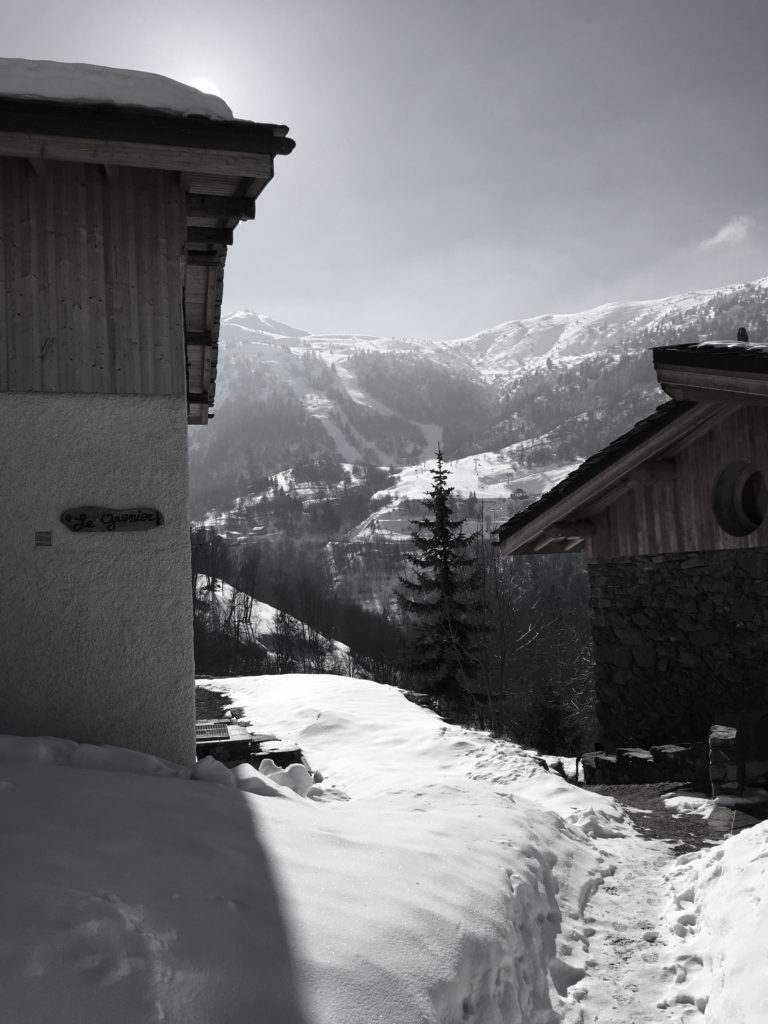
{"type": "Point", "coordinates": [677, 638]}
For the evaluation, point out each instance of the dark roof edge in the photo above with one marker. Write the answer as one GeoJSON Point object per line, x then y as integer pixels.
{"type": "Point", "coordinates": [729, 356]}
{"type": "Point", "coordinates": [140, 124]}
{"type": "Point", "coordinates": [664, 415]}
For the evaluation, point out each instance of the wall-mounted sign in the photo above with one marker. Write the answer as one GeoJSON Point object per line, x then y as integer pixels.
{"type": "Point", "coordinates": [93, 519]}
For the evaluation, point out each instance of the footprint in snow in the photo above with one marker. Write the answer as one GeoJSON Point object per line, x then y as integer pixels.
{"type": "Point", "coordinates": [110, 948]}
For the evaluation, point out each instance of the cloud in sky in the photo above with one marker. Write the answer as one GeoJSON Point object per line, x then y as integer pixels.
{"type": "Point", "coordinates": [736, 230]}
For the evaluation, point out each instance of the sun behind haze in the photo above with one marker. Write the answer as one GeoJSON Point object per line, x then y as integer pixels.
{"type": "Point", "coordinates": [458, 164]}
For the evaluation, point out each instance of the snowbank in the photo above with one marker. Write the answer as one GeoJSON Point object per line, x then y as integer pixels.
{"type": "Point", "coordinates": [400, 890]}
{"type": "Point", "coordinates": [448, 890]}
{"type": "Point", "coordinates": [717, 917]}
{"type": "Point", "coordinates": [88, 83]}
{"type": "Point", "coordinates": [435, 875]}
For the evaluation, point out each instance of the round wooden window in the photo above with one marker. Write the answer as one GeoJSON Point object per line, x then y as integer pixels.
{"type": "Point", "coordinates": [740, 499]}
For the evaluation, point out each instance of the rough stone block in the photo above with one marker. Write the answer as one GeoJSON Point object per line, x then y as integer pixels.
{"type": "Point", "coordinates": [606, 765]}
{"type": "Point", "coordinates": [723, 770]}
{"type": "Point", "coordinates": [615, 654]}
{"type": "Point", "coordinates": [599, 768]}
{"type": "Point", "coordinates": [635, 764]}
{"type": "Point", "coordinates": [722, 737]}
{"type": "Point", "coordinates": [692, 563]}
{"type": "Point", "coordinates": [752, 734]}
{"type": "Point", "coordinates": [756, 773]}
{"type": "Point", "coordinates": [644, 656]}
{"type": "Point", "coordinates": [719, 755]}
{"type": "Point", "coordinates": [629, 635]}
{"type": "Point", "coordinates": [589, 769]}
{"type": "Point", "coordinates": [674, 762]}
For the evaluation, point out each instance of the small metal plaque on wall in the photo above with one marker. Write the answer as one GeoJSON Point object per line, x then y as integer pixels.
{"type": "Point", "coordinates": [93, 519]}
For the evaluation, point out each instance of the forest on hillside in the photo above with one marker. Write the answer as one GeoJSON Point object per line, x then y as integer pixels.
{"type": "Point", "coordinates": [533, 673]}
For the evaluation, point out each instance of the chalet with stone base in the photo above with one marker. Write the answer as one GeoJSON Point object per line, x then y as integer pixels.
{"type": "Point", "coordinates": [672, 518]}
{"type": "Point", "coordinates": [119, 193]}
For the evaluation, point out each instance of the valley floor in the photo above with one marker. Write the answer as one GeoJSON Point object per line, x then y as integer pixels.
{"type": "Point", "coordinates": [434, 875]}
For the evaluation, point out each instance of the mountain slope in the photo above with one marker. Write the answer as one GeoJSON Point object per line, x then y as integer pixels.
{"type": "Point", "coordinates": [548, 389]}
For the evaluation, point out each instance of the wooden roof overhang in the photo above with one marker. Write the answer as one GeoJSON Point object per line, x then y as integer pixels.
{"type": "Point", "coordinates": [561, 520]}
{"type": "Point", "coordinates": [714, 371]}
{"type": "Point", "coordinates": [223, 165]}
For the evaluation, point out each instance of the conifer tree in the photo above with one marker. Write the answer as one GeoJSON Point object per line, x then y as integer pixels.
{"type": "Point", "coordinates": [441, 593]}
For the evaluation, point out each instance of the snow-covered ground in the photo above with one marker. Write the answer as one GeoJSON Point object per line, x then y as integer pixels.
{"type": "Point", "coordinates": [434, 875]}
{"type": "Point", "coordinates": [489, 475]}
{"type": "Point", "coordinates": [492, 476]}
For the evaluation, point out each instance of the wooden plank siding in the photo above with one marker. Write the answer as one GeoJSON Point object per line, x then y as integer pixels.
{"type": "Point", "coordinates": [91, 279]}
{"type": "Point", "coordinates": [669, 514]}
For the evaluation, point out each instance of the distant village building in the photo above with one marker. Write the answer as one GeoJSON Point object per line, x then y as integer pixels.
{"type": "Point", "coordinates": [115, 219]}
{"type": "Point", "coordinates": [672, 517]}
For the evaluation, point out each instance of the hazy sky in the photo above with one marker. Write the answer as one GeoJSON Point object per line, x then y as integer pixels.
{"type": "Point", "coordinates": [463, 162]}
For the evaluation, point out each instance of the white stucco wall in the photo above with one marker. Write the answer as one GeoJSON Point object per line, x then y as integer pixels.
{"type": "Point", "coordinates": [96, 630]}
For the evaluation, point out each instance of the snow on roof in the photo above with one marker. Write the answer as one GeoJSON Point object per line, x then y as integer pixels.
{"type": "Point", "coordinates": [89, 83]}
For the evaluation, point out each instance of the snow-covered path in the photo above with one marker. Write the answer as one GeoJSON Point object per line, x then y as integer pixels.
{"type": "Point", "coordinates": [616, 959]}
{"type": "Point", "coordinates": [436, 876]}
{"type": "Point", "coordinates": [622, 939]}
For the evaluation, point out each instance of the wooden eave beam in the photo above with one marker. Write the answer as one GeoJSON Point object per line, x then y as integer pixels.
{"type": "Point", "coordinates": [542, 543]}
{"type": "Point", "coordinates": [256, 187]}
{"type": "Point", "coordinates": [199, 338]}
{"type": "Point", "coordinates": [205, 258]}
{"type": "Point", "coordinates": [218, 207]}
{"type": "Point", "coordinates": [613, 480]}
{"type": "Point", "coordinates": [200, 347]}
{"type": "Point", "coordinates": [197, 414]}
{"type": "Point", "coordinates": [30, 146]}
{"type": "Point", "coordinates": [217, 237]}
{"type": "Point", "coordinates": [202, 296]}
{"type": "Point", "coordinates": [573, 545]}
{"type": "Point", "coordinates": [562, 537]}
{"type": "Point", "coordinates": [699, 384]}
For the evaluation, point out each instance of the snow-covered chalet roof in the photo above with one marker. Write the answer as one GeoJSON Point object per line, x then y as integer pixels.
{"type": "Point", "coordinates": [89, 83]}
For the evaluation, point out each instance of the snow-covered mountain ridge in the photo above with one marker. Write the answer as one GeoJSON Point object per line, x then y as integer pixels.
{"type": "Point", "coordinates": [515, 345]}
{"type": "Point", "coordinates": [543, 391]}
{"type": "Point", "coordinates": [531, 342]}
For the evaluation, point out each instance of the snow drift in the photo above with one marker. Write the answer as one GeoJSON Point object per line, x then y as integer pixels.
{"type": "Point", "coordinates": [435, 875]}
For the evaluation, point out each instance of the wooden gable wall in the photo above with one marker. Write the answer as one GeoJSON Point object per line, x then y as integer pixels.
{"type": "Point", "coordinates": [91, 278]}
{"type": "Point", "coordinates": [668, 508]}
